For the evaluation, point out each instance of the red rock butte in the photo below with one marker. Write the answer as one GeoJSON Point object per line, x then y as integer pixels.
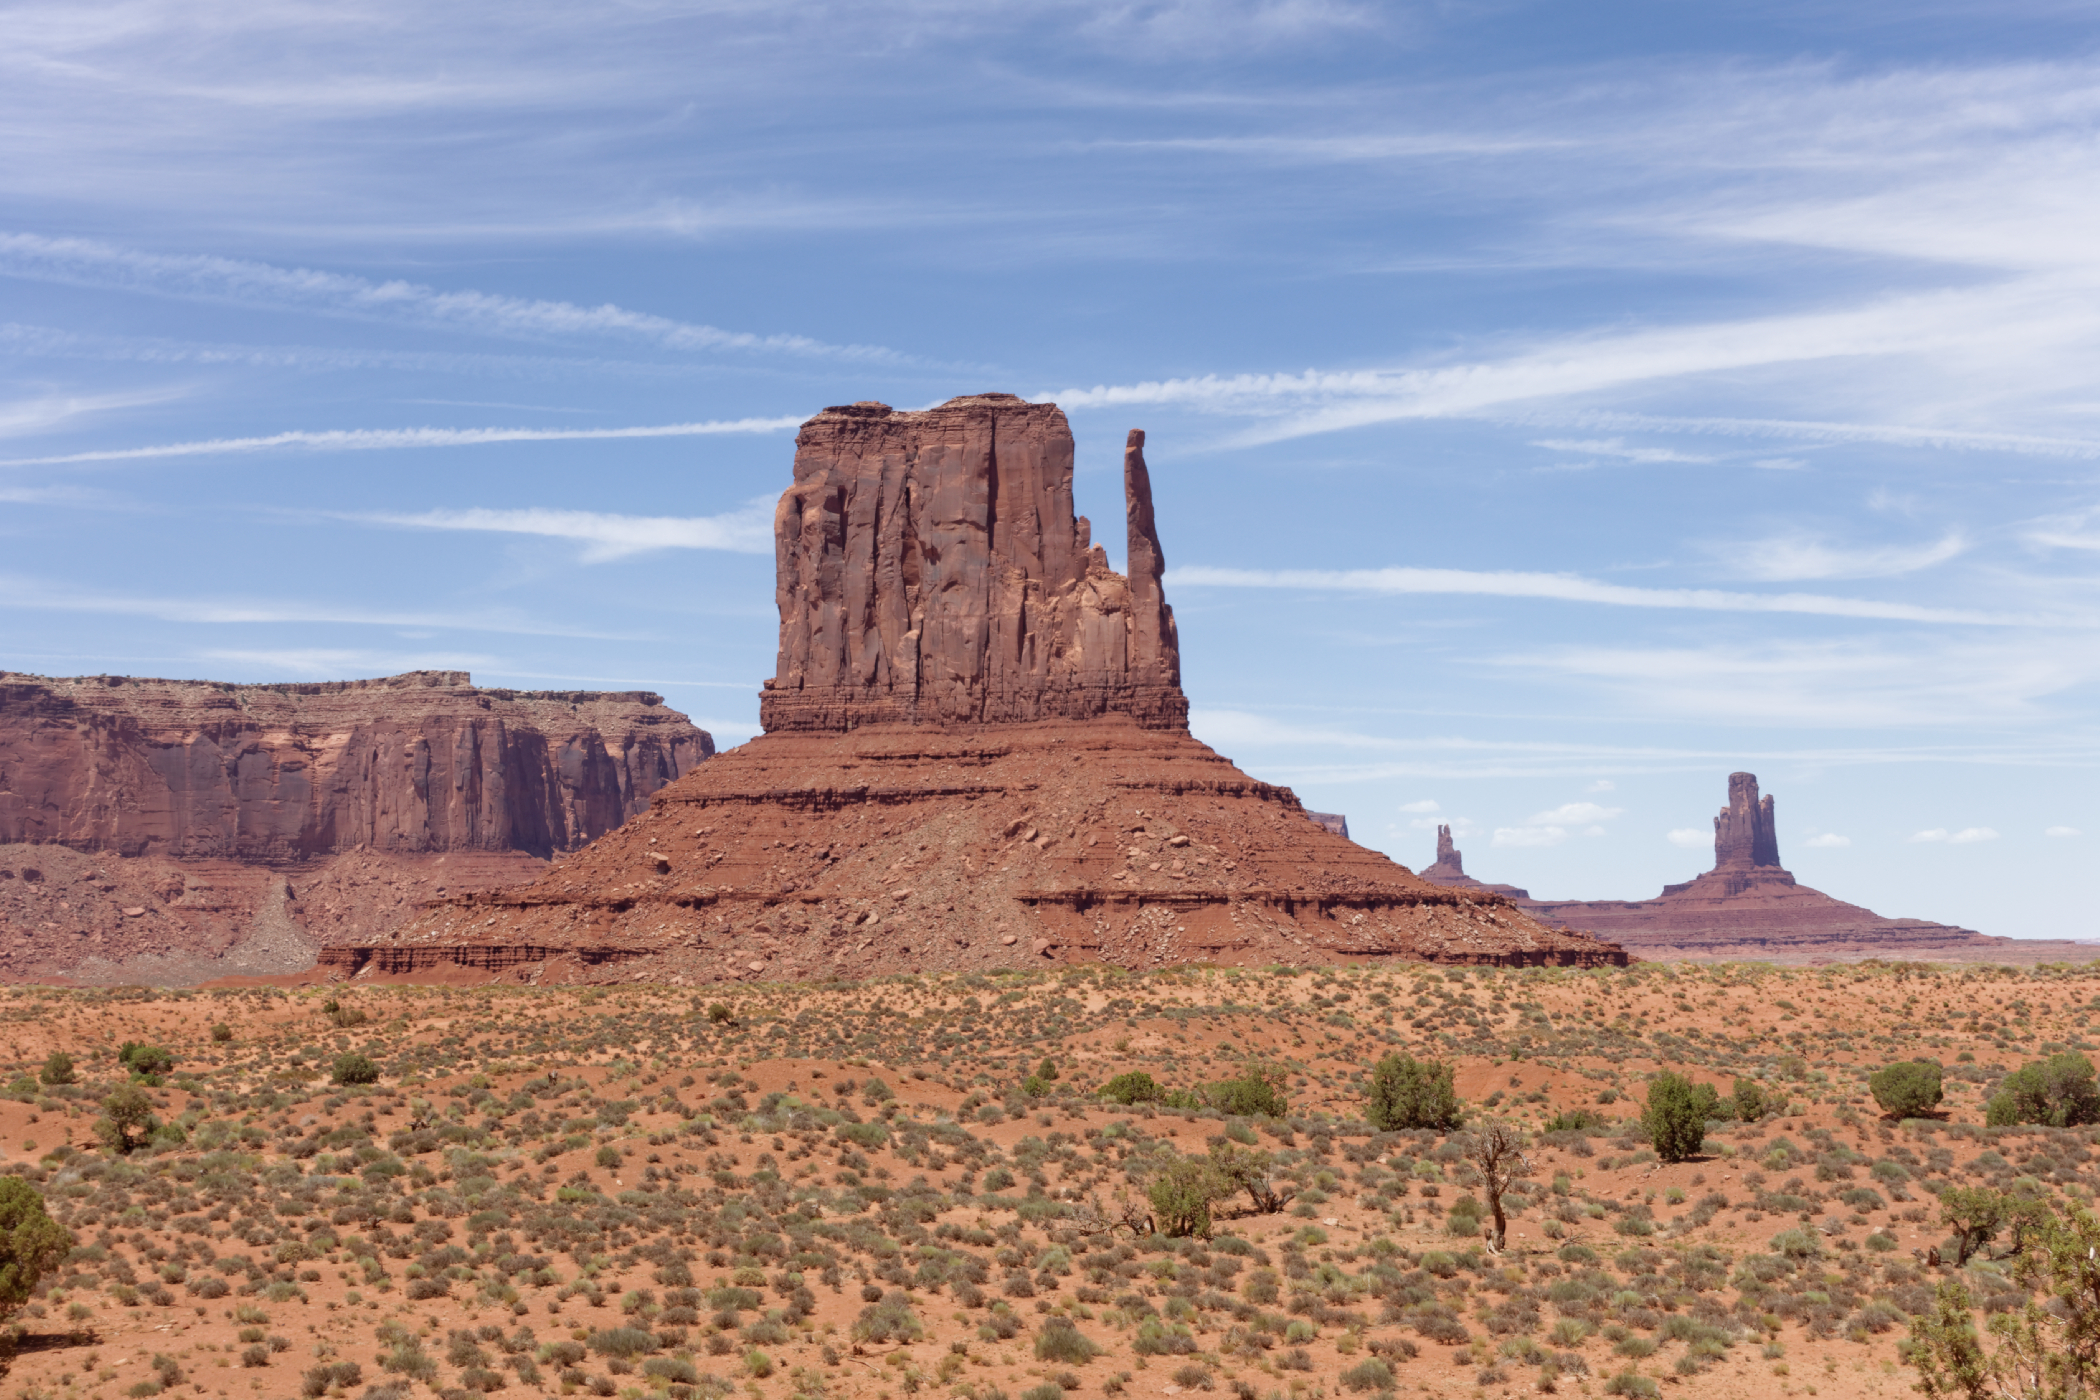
{"type": "Point", "coordinates": [168, 830]}
{"type": "Point", "coordinates": [1749, 906]}
{"type": "Point", "coordinates": [976, 755]}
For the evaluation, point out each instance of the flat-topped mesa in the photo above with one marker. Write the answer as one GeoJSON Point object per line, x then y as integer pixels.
{"type": "Point", "coordinates": [1744, 834]}
{"type": "Point", "coordinates": [931, 571]}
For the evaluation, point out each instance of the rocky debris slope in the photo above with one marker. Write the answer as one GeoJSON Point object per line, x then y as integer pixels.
{"type": "Point", "coordinates": [1008, 779]}
{"type": "Point", "coordinates": [1749, 906]}
{"type": "Point", "coordinates": [177, 830]}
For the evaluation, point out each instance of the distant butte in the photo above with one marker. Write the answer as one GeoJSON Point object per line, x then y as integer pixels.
{"type": "Point", "coordinates": [180, 830]}
{"type": "Point", "coordinates": [976, 755]}
{"type": "Point", "coordinates": [1748, 906]}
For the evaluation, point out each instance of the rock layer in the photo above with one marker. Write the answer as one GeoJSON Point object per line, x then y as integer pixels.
{"type": "Point", "coordinates": [976, 756]}
{"type": "Point", "coordinates": [171, 830]}
{"type": "Point", "coordinates": [1749, 906]}
{"type": "Point", "coordinates": [931, 569]}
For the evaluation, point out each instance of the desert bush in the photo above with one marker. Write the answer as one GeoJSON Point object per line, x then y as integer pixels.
{"type": "Point", "coordinates": [1060, 1340]}
{"type": "Point", "coordinates": [888, 1320]}
{"type": "Point", "coordinates": [221, 1033]}
{"type": "Point", "coordinates": [1181, 1193]}
{"type": "Point", "coordinates": [424, 1289]}
{"type": "Point", "coordinates": [623, 1342]}
{"type": "Point", "coordinates": [1749, 1102]}
{"type": "Point", "coordinates": [31, 1242]}
{"type": "Point", "coordinates": [608, 1156]}
{"type": "Point", "coordinates": [316, 1382]}
{"type": "Point", "coordinates": [1257, 1091]}
{"type": "Point", "coordinates": [1676, 1114]}
{"type": "Point", "coordinates": [1133, 1087]}
{"type": "Point", "coordinates": [354, 1068]}
{"type": "Point", "coordinates": [1906, 1089]}
{"type": "Point", "coordinates": [145, 1061]}
{"type": "Point", "coordinates": [1407, 1093]}
{"type": "Point", "coordinates": [1575, 1120]}
{"type": "Point", "coordinates": [58, 1068]}
{"type": "Point", "coordinates": [2058, 1092]}
{"type": "Point", "coordinates": [1374, 1374]}
{"type": "Point", "coordinates": [128, 1119]}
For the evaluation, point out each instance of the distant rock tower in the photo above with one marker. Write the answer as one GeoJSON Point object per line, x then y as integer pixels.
{"type": "Point", "coordinates": [1744, 834]}
{"type": "Point", "coordinates": [1449, 863]}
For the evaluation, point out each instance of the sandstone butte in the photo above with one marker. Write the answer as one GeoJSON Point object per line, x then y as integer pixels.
{"type": "Point", "coordinates": [170, 830]}
{"type": "Point", "coordinates": [1749, 906]}
{"type": "Point", "coordinates": [976, 755]}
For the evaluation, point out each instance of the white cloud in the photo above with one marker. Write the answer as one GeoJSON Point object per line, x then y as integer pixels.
{"type": "Point", "coordinates": [85, 262]}
{"type": "Point", "coordinates": [1967, 836]}
{"type": "Point", "coordinates": [1427, 804]}
{"type": "Point", "coordinates": [1573, 588]}
{"type": "Point", "coordinates": [2063, 831]}
{"type": "Point", "coordinates": [346, 663]}
{"type": "Point", "coordinates": [1602, 785]}
{"type": "Point", "coordinates": [1784, 558]}
{"type": "Point", "coordinates": [18, 591]}
{"type": "Point", "coordinates": [1691, 838]}
{"type": "Point", "coordinates": [1616, 447]}
{"type": "Point", "coordinates": [748, 531]}
{"type": "Point", "coordinates": [394, 439]}
{"type": "Point", "coordinates": [44, 412]}
{"type": "Point", "coordinates": [1828, 840]}
{"type": "Point", "coordinates": [1573, 814]}
{"type": "Point", "coordinates": [1529, 836]}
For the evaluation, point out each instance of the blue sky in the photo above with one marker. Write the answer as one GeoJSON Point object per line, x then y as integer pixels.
{"type": "Point", "coordinates": [1552, 408]}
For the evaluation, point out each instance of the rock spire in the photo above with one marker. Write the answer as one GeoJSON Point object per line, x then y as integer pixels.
{"type": "Point", "coordinates": [1744, 834]}
{"type": "Point", "coordinates": [931, 571]}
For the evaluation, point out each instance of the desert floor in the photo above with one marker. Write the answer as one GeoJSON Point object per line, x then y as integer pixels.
{"type": "Point", "coordinates": [843, 1190]}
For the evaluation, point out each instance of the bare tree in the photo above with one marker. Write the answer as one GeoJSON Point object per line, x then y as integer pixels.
{"type": "Point", "coordinates": [1496, 1151]}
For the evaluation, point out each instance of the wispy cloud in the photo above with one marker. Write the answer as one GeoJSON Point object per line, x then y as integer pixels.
{"type": "Point", "coordinates": [85, 262]}
{"type": "Point", "coordinates": [1967, 836]}
{"type": "Point", "coordinates": [45, 412]}
{"type": "Point", "coordinates": [343, 663]}
{"type": "Point", "coordinates": [1827, 841]}
{"type": "Point", "coordinates": [1573, 588]}
{"type": "Point", "coordinates": [606, 537]}
{"type": "Point", "coordinates": [1787, 558]}
{"type": "Point", "coordinates": [1427, 804]}
{"type": "Point", "coordinates": [32, 594]}
{"type": "Point", "coordinates": [1617, 447]}
{"type": "Point", "coordinates": [1691, 838]}
{"type": "Point", "coordinates": [1524, 836]}
{"type": "Point", "coordinates": [394, 439]}
{"type": "Point", "coordinates": [2063, 831]}
{"type": "Point", "coordinates": [1574, 814]}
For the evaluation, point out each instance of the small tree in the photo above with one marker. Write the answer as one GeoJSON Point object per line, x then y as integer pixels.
{"type": "Point", "coordinates": [354, 1068]}
{"type": "Point", "coordinates": [58, 1068]}
{"type": "Point", "coordinates": [1134, 1086]}
{"type": "Point", "coordinates": [1256, 1092]}
{"type": "Point", "coordinates": [1496, 1151]}
{"type": "Point", "coordinates": [1748, 1103]}
{"type": "Point", "coordinates": [1250, 1169]}
{"type": "Point", "coordinates": [145, 1061]}
{"type": "Point", "coordinates": [1974, 1214]}
{"type": "Point", "coordinates": [2046, 1350]}
{"type": "Point", "coordinates": [1907, 1089]}
{"type": "Point", "coordinates": [2058, 1092]}
{"type": "Point", "coordinates": [1181, 1194]}
{"type": "Point", "coordinates": [31, 1242]}
{"type": "Point", "coordinates": [128, 1120]}
{"type": "Point", "coordinates": [221, 1033]}
{"type": "Point", "coordinates": [1676, 1115]}
{"type": "Point", "coordinates": [1407, 1093]}
{"type": "Point", "coordinates": [1047, 1069]}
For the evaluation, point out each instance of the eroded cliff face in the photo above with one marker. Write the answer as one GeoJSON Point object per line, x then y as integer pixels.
{"type": "Point", "coordinates": [931, 570]}
{"type": "Point", "coordinates": [418, 763]}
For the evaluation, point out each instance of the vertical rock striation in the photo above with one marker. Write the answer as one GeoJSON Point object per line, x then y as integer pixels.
{"type": "Point", "coordinates": [1745, 836]}
{"type": "Point", "coordinates": [930, 569]}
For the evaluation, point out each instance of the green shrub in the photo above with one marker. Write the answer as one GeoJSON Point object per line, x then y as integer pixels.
{"type": "Point", "coordinates": [1407, 1093]}
{"type": "Point", "coordinates": [128, 1119]}
{"type": "Point", "coordinates": [145, 1061]}
{"type": "Point", "coordinates": [1035, 1086]}
{"type": "Point", "coordinates": [1134, 1087]}
{"type": "Point", "coordinates": [1048, 1390]}
{"type": "Point", "coordinates": [317, 1381]}
{"type": "Point", "coordinates": [1630, 1383]}
{"type": "Point", "coordinates": [1749, 1103]}
{"type": "Point", "coordinates": [1676, 1115]}
{"type": "Point", "coordinates": [621, 1341]}
{"type": "Point", "coordinates": [868, 1135]}
{"type": "Point", "coordinates": [354, 1068]}
{"type": "Point", "coordinates": [1181, 1196]}
{"type": "Point", "coordinates": [58, 1068]}
{"type": "Point", "coordinates": [1907, 1089]}
{"type": "Point", "coordinates": [2057, 1092]}
{"type": "Point", "coordinates": [890, 1320]}
{"type": "Point", "coordinates": [1047, 1069]}
{"type": "Point", "coordinates": [221, 1033]}
{"type": "Point", "coordinates": [1060, 1340]}
{"type": "Point", "coordinates": [718, 1013]}
{"type": "Point", "coordinates": [31, 1242]}
{"type": "Point", "coordinates": [1575, 1120]}
{"type": "Point", "coordinates": [1374, 1374]}
{"type": "Point", "coordinates": [608, 1156]}
{"type": "Point", "coordinates": [1256, 1092]}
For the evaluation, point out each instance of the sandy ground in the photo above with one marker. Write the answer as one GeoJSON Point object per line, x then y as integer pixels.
{"type": "Point", "coordinates": [574, 1161]}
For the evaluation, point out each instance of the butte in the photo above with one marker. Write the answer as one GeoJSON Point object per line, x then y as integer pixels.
{"type": "Point", "coordinates": [1749, 906]}
{"type": "Point", "coordinates": [976, 755]}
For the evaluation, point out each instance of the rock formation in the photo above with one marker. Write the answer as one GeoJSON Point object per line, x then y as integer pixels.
{"type": "Point", "coordinates": [1330, 821]}
{"type": "Point", "coordinates": [172, 820]}
{"type": "Point", "coordinates": [930, 569]}
{"type": "Point", "coordinates": [976, 755]}
{"type": "Point", "coordinates": [1749, 906]}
